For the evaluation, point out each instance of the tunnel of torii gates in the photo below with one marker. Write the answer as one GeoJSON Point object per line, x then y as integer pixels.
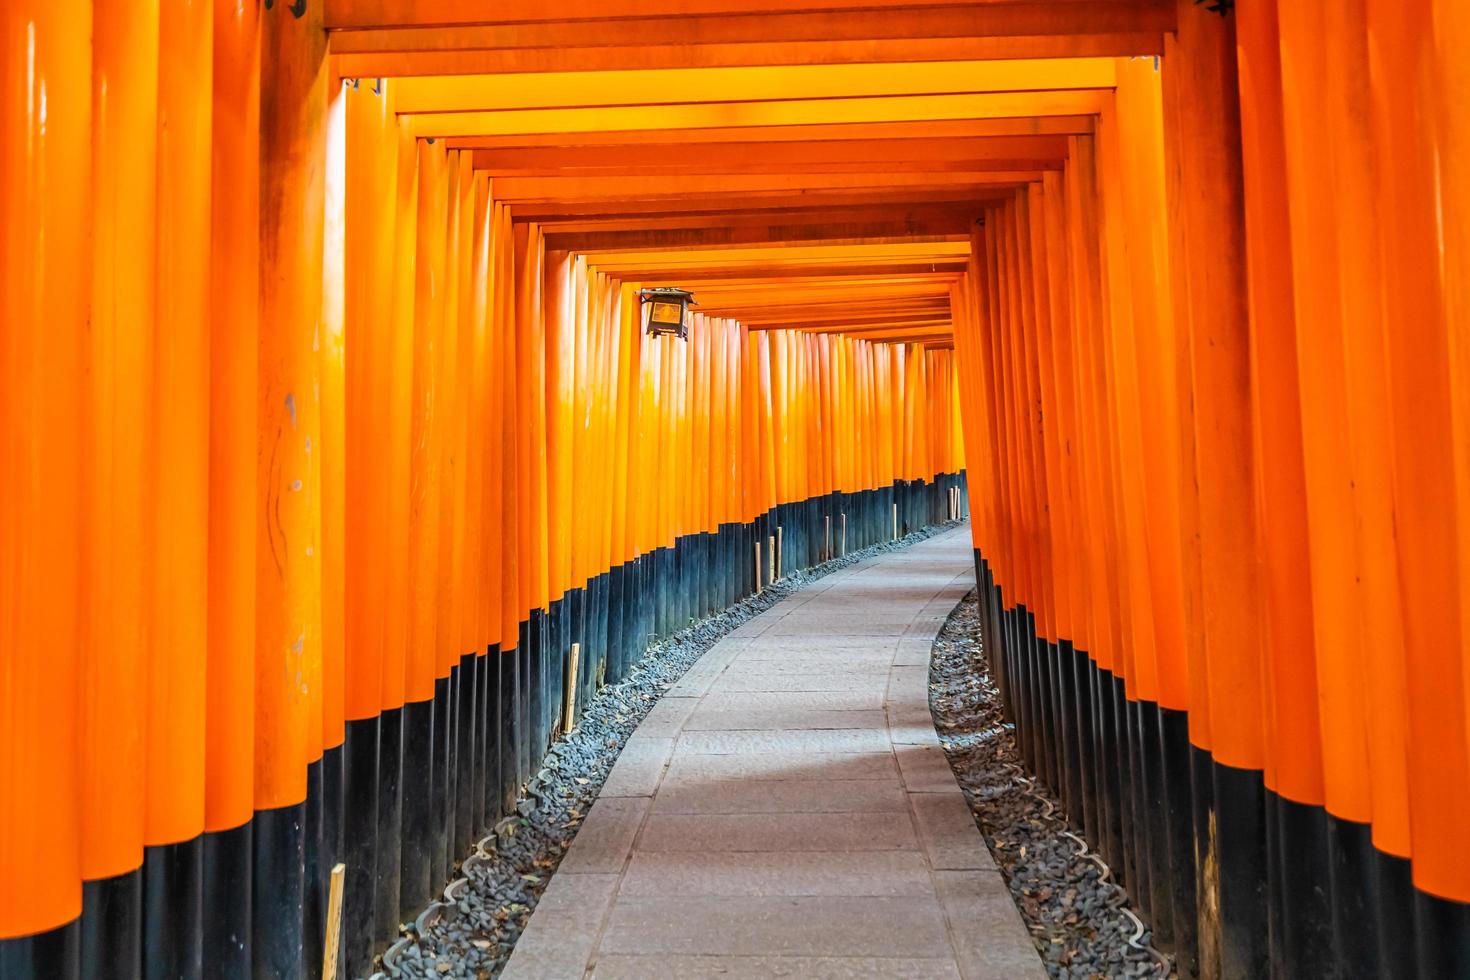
{"type": "Point", "coordinates": [329, 425]}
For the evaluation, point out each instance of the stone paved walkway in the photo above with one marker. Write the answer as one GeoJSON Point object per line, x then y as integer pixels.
{"type": "Point", "coordinates": [786, 810]}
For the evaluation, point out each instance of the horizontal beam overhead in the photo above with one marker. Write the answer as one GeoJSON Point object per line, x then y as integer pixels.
{"type": "Point", "coordinates": [490, 93]}
{"type": "Point", "coordinates": [783, 112]}
{"type": "Point", "coordinates": [801, 253]}
{"type": "Point", "coordinates": [699, 278]}
{"type": "Point", "coordinates": [520, 18]}
{"type": "Point", "coordinates": [912, 216]}
{"type": "Point", "coordinates": [586, 55]}
{"type": "Point", "coordinates": [515, 190]}
{"type": "Point", "coordinates": [1001, 152]}
{"type": "Point", "coordinates": [838, 324]}
{"type": "Point", "coordinates": [694, 238]}
{"type": "Point", "coordinates": [806, 133]}
{"type": "Point", "coordinates": [973, 199]}
{"type": "Point", "coordinates": [380, 38]}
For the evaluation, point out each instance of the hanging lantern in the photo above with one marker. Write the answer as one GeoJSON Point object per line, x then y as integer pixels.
{"type": "Point", "coordinates": [666, 310]}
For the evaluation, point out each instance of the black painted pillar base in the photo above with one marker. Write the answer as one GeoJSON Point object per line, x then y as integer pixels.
{"type": "Point", "coordinates": [111, 927]}
{"type": "Point", "coordinates": [360, 838]}
{"type": "Point", "coordinates": [387, 903]}
{"type": "Point", "coordinates": [278, 893]}
{"type": "Point", "coordinates": [228, 860]}
{"type": "Point", "coordinates": [173, 904]}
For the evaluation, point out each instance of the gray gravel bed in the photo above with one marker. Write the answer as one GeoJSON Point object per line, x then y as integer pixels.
{"type": "Point", "coordinates": [1080, 921]}
{"type": "Point", "coordinates": [472, 932]}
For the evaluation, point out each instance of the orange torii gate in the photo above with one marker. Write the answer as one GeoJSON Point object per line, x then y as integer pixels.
{"type": "Point", "coordinates": [329, 427]}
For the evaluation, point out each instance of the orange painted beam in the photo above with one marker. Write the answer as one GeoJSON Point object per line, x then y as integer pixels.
{"type": "Point", "coordinates": [830, 134]}
{"type": "Point", "coordinates": [775, 112]}
{"type": "Point", "coordinates": [718, 157]}
{"type": "Point", "coordinates": [894, 327]}
{"type": "Point", "coordinates": [514, 190]}
{"type": "Point", "coordinates": [710, 238]}
{"type": "Point", "coordinates": [658, 204]}
{"type": "Point", "coordinates": [711, 164]}
{"type": "Point", "coordinates": [644, 87]}
{"type": "Point", "coordinates": [764, 217]}
{"type": "Point", "coordinates": [377, 54]}
{"type": "Point", "coordinates": [859, 308]}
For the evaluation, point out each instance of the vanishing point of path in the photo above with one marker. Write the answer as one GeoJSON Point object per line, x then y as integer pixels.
{"type": "Point", "coordinates": [786, 810]}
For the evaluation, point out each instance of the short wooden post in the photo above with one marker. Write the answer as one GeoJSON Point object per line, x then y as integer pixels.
{"type": "Point", "coordinates": [844, 533]}
{"type": "Point", "coordinates": [333, 942]}
{"type": "Point", "coordinates": [571, 708]}
{"type": "Point", "coordinates": [829, 537]}
{"type": "Point", "coordinates": [780, 551]}
{"type": "Point", "coordinates": [757, 566]}
{"type": "Point", "coordinates": [771, 558]}
{"type": "Point", "coordinates": [895, 522]}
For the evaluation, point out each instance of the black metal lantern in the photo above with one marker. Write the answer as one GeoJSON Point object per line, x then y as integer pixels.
{"type": "Point", "coordinates": [666, 310]}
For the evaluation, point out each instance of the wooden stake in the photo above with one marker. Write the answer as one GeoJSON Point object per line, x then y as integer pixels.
{"type": "Point", "coordinates": [334, 923]}
{"type": "Point", "coordinates": [771, 558]}
{"type": "Point", "coordinates": [780, 541]}
{"type": "Point", "coordinates": [571, 708]}
{"type": "Point", "coordinates": [844, 533]}
{"type": "Point", "coordinates": [895, 522]}
{"type": "Point", "coordinates": [757, 566]}
{"type": "Point", "coordinates": [829, 537]}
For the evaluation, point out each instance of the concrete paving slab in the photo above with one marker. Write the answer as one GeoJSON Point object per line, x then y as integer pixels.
{"type": "Point", "coordinates": [571, 893]}
{"type": "Point", "coordinates": [913, 651]}
{"type": "Point", "coordinates": [909, 684]}
{"type": "Point", "coordinates": [838, 626]}
{"type": "Point", "coordinates": [948, 832]}
{"type": "Point", "coordinates": [814, 700]}
{"type": "Point", "coordinates": [639, 768]}
{"type": "Point", "coordinates": [804, 926]}
{"type": "Point", "coordinates": [780, 718]}
{"type": "Point", "coordinates": [826, 681]}
{"type": "Point", "coordinates": [667, 717]}
{"type": "Point", "coordinates": [783, 796]}
{"type": "Point", "coordinates": [605, 838]}
{"type": "Point", "coordinates": [847, 740]}
{"type": "Point", "coordinates": [781, 648]}
{"type": "Point", "coordinates": [769, 832]}
{"type": "Point", "coordinates": [807, 662]}
{"type": "Point", "coordinates": [842, 873]}
{"type": "Point", "coordinates": [925, 769]}
{"type": "Point", "coordinates": [911, 724]}
{"type": "Point", "coordinates": [562, 935]}
{"type": "Point", "coordinates": [763, 967]}
{"type": "Point", "coordinates": [782, 765]}
{"type": "Point", "coordinates": [990, 940]}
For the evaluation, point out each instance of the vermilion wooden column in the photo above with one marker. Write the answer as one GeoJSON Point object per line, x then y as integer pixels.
{"type": "Point", "coordinates": [1297, 830]}
{"type": "Point", "coordinates": [288, 565]}
{"type": "Point", "coordinates": [1203, 150]}
{"type": "Point", "coordinates": [229, 714]}
{"type": "Point", "coordinates": [1417, 342]}
{"type": "Point", "coordinates": [45, 169]}
{"type": "Point", "coordinates": [175, 670]}
{"type": "Point", "coordinates": [121, 473]}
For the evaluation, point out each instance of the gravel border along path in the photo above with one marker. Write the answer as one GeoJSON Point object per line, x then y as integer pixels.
{"type": "Point", "coordinates": [472, 932]}
{"type": "Point", "coordinates": [1079, 919]}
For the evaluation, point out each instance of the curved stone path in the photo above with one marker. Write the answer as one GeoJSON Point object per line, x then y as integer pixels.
{"type": "Point", "coordinates": [786, 809]}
